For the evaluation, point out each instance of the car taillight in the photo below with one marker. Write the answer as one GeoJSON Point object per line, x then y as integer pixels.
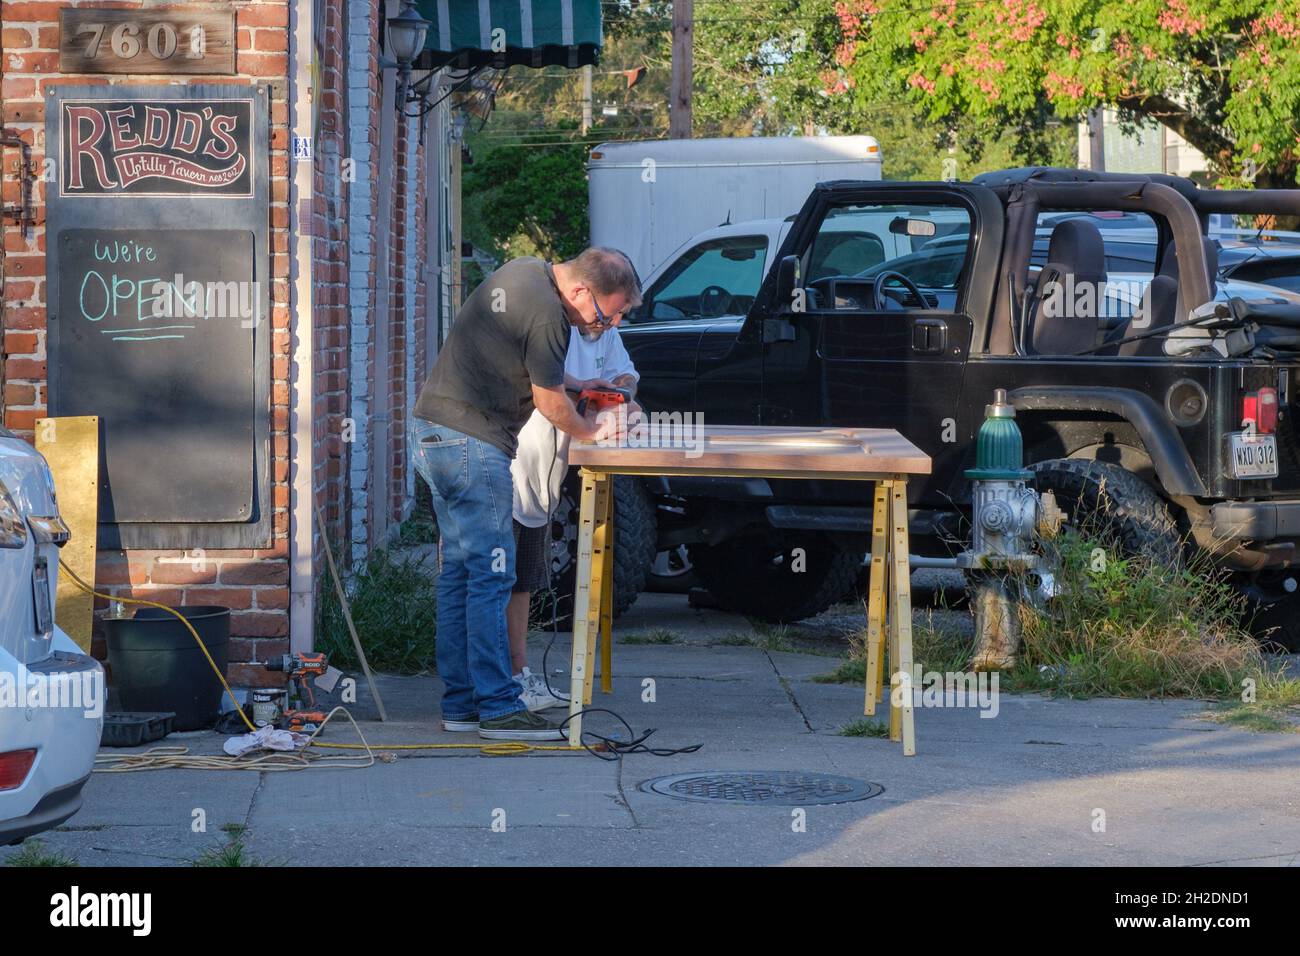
{"type": "Point", "coordinates": [14, 766]}
{"type": "Point", "coordinates": [1259, 409]}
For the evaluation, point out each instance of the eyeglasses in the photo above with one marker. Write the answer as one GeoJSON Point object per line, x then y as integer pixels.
{"type": "Point", "coordinates": [603, 320]}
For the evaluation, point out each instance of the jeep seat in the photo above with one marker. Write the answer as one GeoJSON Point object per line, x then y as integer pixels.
{"type": "Point", "coordinates": [1076, 258]}
{"type": "Point", "coordinates": [1164, 301]}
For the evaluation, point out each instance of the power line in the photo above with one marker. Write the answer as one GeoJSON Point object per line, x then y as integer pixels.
{"type": "Point", "coordinates": [656, 133]}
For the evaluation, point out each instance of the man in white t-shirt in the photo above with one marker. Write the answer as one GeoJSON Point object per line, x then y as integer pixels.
{"type": "Point", "coordinates": [595, 358]}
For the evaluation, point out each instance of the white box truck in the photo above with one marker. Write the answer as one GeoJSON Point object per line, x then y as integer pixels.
{"type": "Point", "coordinates": [647, 198]}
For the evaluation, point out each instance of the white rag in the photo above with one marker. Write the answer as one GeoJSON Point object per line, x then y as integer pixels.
{"type": "Point", "coordinates": [265, 738]}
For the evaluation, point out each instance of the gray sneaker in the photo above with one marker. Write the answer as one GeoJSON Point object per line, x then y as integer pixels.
{"type": "Point", "coordinates": [521, 725]}
{"type": "Point", "coordinates": [535, 695]}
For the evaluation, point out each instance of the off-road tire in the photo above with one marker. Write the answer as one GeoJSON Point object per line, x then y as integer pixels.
{"type": "Point", "coordinates": [634, 549]}
{"type": "Point", "coordinates": [752, 574]}
{"type": "Point", "coordinates": [1115, 505]}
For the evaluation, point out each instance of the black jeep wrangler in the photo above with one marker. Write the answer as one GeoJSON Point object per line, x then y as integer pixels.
{"type": "Point", "coordinates": [1153, 391]}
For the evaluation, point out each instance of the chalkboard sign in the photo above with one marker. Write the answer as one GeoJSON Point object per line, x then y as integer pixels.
{"type": "Point", "coordinates": [155, 333]}
{"type": "Point", "coordinates": [158, 269]}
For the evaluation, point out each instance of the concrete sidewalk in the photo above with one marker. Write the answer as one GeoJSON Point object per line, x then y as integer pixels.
{"type": "Point", "coordinates": [1028, 787]}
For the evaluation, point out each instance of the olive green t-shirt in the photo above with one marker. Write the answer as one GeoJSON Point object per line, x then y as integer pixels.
{"type": "Point", "coordinates": [510, 334]}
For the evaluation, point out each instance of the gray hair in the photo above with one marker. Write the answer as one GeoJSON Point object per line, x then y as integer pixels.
{"type": "Point", "coordinates": [607, 271]}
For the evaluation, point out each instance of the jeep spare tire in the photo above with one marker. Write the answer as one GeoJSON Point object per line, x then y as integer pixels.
{"type": "Point", "coordinates": [776, 576]}
{"type": "Point", "coordinates": [634, 548]}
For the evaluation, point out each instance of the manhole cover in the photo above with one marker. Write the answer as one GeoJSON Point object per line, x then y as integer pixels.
{"type": "Point", "coordinates": [788, 788]}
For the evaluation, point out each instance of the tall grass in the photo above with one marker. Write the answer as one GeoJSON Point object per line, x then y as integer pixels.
{"type": "Point", "coordinates": [1130, 626]}
{"type": "Point", "coordinates": [1123, 626]}
{"type": "Point", "coordinates": [420, 526]}
{"type": "Point", "coordinates": [394, 608]}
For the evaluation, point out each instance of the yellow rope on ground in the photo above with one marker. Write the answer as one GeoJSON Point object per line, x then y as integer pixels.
{"type": "Point", "coordinates": [502, 748]}
{"type": "Point", "coordinates": [181, 617]}
{"type": "Point", "coordinates": [160, 758]}
{"type": "Point", "coordinates": [180, 758]}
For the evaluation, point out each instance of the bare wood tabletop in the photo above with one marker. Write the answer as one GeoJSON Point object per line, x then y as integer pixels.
{"type": "Point", "coordinates": [743, 449]}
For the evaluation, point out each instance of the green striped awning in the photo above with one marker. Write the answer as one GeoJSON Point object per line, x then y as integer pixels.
{"type": "Point", "coordinates": [468, 33]}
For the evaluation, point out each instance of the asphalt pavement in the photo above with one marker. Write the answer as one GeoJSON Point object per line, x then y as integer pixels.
{"type": "Point", "coordinates": [1075, 782]}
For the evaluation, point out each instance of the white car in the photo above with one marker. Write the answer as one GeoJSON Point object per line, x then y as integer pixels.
{"type": "Point", "coordinates": [52, 695]}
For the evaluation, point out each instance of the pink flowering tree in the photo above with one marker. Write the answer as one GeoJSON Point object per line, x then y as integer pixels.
{"type": "Point", "coordinates": [781, 67]}
{"type": "Point", "coordinates": [1224, 74]}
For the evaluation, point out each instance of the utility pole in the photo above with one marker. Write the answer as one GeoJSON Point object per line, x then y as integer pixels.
{"type": "Point", "coordinates": [679, 106]}
{"type": "Point", "coordinates": [586, 99]}
{"type": "Point", "coordinates": [1097, 140]}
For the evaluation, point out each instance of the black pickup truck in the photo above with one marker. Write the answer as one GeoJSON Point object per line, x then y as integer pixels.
{"type": "Point", "coordinates": [1155, 392]}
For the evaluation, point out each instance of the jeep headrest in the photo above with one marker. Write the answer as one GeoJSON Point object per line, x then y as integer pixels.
{"type": "Point", "coordinates": [1076, 247]}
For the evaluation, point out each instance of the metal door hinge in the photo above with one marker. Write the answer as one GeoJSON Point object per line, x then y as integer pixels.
{"type": "Point", "coordinates": [20, 213]}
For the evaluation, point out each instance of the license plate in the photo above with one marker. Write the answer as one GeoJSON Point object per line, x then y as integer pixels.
{"type": "Point", "coordinates": [41, 597]}
{"type": "Point", "coordinates": [1254, 456]}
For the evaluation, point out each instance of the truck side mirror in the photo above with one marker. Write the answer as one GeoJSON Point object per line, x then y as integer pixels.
{"type": "Point", "coordinates": [787, 271]}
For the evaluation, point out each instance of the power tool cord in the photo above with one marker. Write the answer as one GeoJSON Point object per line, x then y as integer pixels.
{"type": "Point", "coordinates": [617, 748]}
{"type": "Point", "coordinates": [179, 757]}
{"type": "Point", "coordinates": [503, 748]}
{"type": "Point", "coordinates": [180, 617]}
{"type": "Point", "coordinates": [170, 757]}
{"type": "Point", "coordinates": [613, 746]}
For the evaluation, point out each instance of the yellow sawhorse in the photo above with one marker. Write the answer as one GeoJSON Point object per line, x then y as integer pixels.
{"type": "Point", "coordinates": [889, 602]}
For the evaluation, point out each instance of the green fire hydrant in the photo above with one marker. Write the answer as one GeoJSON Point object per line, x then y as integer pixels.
{"type": "Point", "coordinates": [1006, 517]}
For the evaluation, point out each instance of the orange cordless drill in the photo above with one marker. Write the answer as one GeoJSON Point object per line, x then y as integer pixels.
{"type": "Point", "coordinates": [302, 715]}
{"type": "Point", "coordinates": [602, 398]}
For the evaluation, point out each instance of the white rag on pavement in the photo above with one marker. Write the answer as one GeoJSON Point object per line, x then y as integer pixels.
{"type": "Point", "coordinates": [265, 738]}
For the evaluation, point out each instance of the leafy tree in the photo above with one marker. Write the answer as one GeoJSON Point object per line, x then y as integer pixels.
{"type": "Point", "coordinates": [525, 192]}
{"type": "Point", "coordinates": [1224, 74]}
{"type": "Point", "coordinates": [762, 67]}
{"type": "Point", "coordinates": [530, 198]}
{"type": "Point", "coordinates": [772, 67]}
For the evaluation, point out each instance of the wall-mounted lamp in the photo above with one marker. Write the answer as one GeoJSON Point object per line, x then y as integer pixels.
{"type": "Point", "coordinates": [406, 33]}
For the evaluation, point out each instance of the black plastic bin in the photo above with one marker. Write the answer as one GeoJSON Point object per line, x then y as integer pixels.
{"type": "Point", "coordinates": [157, 666]}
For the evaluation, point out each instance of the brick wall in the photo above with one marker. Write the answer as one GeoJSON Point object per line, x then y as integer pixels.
{"type": "Point", "coordinates": [420, 270]}
{"type": "Point", "coordinates": [254, 583]}
{"type": "Point", "coordinates": [397, 338]}
{"type": "Point", "coordinates": [416, 267]}
{"type": "Point", "coordinates": [363, 106]}
{"type": "Point", "coordinates": [330, 278]}
{"type": "Point", "coordinates": [363, 102]}
{"type": "Point", "coordinates": [351, 478]}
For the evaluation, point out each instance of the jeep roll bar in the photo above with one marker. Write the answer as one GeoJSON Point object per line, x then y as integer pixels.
{"type": "Point", "coordinates": [1024, 201]}
{"type": "Point", "coordinates": [1254, 202]}
{"type": "Point", "coordinates": [1051, 175]}
{"type": "Point", "coordinates": [1204, 201]}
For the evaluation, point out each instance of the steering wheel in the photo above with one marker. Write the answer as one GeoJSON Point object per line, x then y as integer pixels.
{"type": "Point", "coordinates": [888, 275]}
{"type": "Point", "coordinates": [713, 300]}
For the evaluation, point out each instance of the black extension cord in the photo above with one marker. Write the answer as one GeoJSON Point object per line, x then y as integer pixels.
{"type": "Point", "coordinates": [606, 748]}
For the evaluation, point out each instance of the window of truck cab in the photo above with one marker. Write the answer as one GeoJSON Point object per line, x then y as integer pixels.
{"type": "Point", "coordinates": [929, 244]}
{"type": "Point", "coordinates": [715, 278]}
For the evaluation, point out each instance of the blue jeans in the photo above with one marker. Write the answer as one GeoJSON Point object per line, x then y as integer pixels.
{"type": "Point", "coordinates": [472, 500]}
